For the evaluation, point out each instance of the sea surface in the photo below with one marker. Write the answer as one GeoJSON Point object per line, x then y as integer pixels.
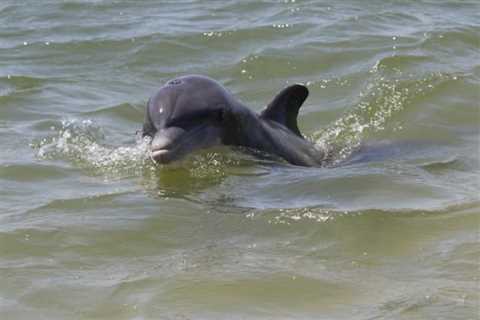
{"type": "Point", "coordinates": [90, 228]}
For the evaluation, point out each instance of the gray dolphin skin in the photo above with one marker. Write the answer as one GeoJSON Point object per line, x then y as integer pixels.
{"type": "Point", "coordinates": [195, 112]}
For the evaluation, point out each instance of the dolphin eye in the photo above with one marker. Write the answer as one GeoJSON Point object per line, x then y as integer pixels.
{"type": "Point", "coordinates": [190, 120]}
{"type": "Point", "coordinates": [219, 115]}
{"type": "Point", "coordinates": [198, 118]}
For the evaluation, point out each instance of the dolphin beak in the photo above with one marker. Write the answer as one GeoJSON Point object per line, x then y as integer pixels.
{"type": "Point", "coordinates": [164, 143]}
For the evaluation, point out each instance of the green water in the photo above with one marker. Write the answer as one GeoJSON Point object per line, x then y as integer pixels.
{"type": "Point", "coordinates": [91, 229]}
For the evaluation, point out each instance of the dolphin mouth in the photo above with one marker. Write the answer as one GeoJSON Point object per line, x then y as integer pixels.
{"type": "Point", "coordinates": [177, 143]}
{"type": "Point", "coordinates": [165, 145]}
{"type": "Point", "coordinates": [162, 156]}
{"type": "Point", "coordinates": [160, 152]}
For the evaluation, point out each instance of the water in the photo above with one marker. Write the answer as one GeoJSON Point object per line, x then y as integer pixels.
{"type": "Point", "coordinates": [91, 229]}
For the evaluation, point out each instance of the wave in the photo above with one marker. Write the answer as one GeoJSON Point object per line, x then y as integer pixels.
{"type": "Point", "coordinates": [388, 93]}
{"type": "Point", "coordinates": [326, 215]}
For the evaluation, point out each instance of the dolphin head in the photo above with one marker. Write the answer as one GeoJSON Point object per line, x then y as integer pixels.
{"type": "Point", "coordinates": [186, 114]}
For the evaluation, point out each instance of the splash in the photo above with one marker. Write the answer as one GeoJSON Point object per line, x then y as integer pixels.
{"type": "Point", "coordinates": [82, 143]}
{"type": "Point", "coordinates": [78, 141]}
{"type": "Point", "coordinates": [387, 94]}
{"type": "Point", "coordinates": [289, 216]}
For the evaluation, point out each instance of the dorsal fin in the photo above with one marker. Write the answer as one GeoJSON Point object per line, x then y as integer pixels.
{"type": "Point", "coordinates": [284, 107]}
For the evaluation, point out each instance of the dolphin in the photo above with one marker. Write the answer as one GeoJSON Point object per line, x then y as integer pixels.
{"type": "Point", "coordinates": [195, 112]}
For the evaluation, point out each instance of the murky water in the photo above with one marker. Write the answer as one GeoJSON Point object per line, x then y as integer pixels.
{"type": "Point", "coordinates": [90, 228]}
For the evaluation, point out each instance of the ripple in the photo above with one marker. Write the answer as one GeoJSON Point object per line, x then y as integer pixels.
{"type": "Point", "coordinates": [401, 62]}
{"type": "Point", "coordinates": [31, 173]}
{"type": "Point", "coordinates": [452, 163]}
{"type": "Point", "coordinates": [23, 83]}
{"type": "Point", "coordinates": [460, 37]}
{"type": "Point", "coordinates": [125, 111]}
{"type": "Point", "coordinates": [326, 215]}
